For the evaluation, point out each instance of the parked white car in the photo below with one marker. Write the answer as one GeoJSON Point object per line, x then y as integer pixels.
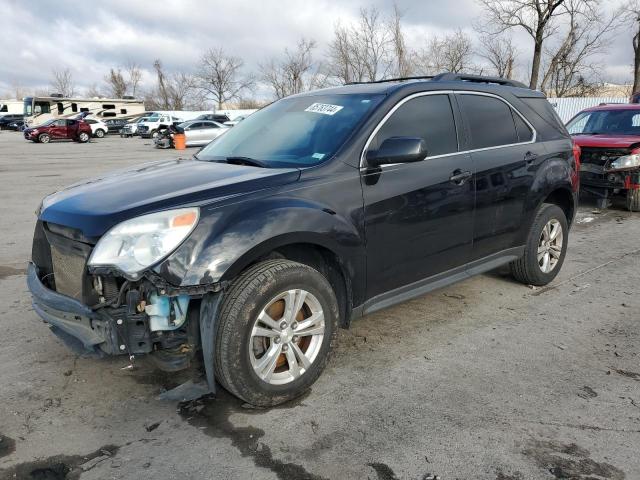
{"type": "Point", "coordinates": [98, 127]}
{"type": "Point", "coordinates": [131, 128]}
{"type": "Point", "coordinates": [201, 132]}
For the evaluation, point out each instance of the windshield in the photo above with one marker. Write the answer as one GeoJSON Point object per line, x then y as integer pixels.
{"type": "Point", "coordinates": [47, 123]}
{"type": "Point", "coordinates": [27, 110]}
{"type": "Point", "coordinates": [295, 131]}
{"type": "Point", "coordinates": [607, 122]}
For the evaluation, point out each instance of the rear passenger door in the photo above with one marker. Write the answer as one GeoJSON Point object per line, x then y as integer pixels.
{"type": "Point", "coordinates": [505, 158]}
{"type": "Point", "coordinates": [419, 216]}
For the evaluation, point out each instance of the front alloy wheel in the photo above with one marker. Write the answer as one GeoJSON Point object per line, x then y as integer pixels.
{"type": "Point", "coordinates": [286, 337]}
{"type": "Point", "coordinates": [274, 331]}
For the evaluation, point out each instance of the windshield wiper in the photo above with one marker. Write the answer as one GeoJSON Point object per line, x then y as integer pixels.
{"type": "Point", "coordinates": [252, 162]}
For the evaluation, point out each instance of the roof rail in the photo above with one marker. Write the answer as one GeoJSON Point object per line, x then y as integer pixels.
{"type": "Point", "coordinates": [452, 77]}
{"type": "Point", "coordinates": [399, 79]}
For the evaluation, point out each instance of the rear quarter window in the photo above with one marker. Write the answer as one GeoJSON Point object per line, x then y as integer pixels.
{"type": "Point", "coordinates": [544, 118]}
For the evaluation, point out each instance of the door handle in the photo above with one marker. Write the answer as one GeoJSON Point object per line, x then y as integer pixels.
{"type": "Point", "coordinates": [459, 177]}
{"type": "Point", "coordinates": [530, 157]}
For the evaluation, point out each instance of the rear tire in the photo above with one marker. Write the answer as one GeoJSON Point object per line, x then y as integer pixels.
{"type": "Point", "coordinates": [633, 200]}
{"type": "Point", "coordinates": [83, 137]}
{"type": "Point", "coordinates": [543, 257]}
{"type": "Point", "coordinates": [241, 350]}
{"type": "Point", "coordinates": [44, 138]}
{"type": "Point", "coordinates": [100, 133]}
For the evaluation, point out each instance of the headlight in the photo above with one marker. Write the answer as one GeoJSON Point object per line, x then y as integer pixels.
{"type": "Point", "coordinates": [136, 244]}
{"type": "Point", "coordinates": [626, 162]}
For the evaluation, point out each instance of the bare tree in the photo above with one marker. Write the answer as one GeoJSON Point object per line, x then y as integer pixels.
{"type": "Point", "coordinates": [294, 73]}
{"type": "Point", "coordinates": [500, 53]}
{"type": "Point", "coordinates": [535, 17]}
{"type": "Point", "coordinates": [402, 54]}
{"type": "Point", "coordinates": [173, 91]}
{"type": "Point", "coordinates": [135, 76]}
{"type": "Point", "coordinates": [116, 84]}
{"type": "Point", "coordinates": [219, 76]}
{"type": "Point", "coordinates": [92, 91]}
{"type": "Point", "coordinates": [570, 70]}
{"type": "Point", "coordinates": [452, 53]}
{"type": "Point", "coordinates": [362, 51]}
{"type": "Point", "coordinates": [631, 12]}
{"type": "Point", "coordinates": [62, 82]}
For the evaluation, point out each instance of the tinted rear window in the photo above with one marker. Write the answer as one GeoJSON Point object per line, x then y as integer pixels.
{"type": "Point", "coordinates": [490, 121]}
{"type": "Point", "coordinates": [546, 112]}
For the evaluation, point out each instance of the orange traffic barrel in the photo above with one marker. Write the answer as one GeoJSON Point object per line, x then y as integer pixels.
{"type": "Point", "coordinates": [179, 141]}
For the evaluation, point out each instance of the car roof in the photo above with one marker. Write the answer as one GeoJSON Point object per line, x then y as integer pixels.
{"type": "Point", "coordinates": [614, 106]}
{"type": "Point", "coordinates": [417, 85]}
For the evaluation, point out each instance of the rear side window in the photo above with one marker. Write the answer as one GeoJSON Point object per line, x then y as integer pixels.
{"type": "Point", "coordinates": [490, 121]}
{"type": "Point", "coordinates": [429, 117]}
{"type": "Point", "coordinates": [546, 112]}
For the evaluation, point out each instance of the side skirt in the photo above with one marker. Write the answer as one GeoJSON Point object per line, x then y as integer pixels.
{"type": "Point", "coordinates": [426, 285]}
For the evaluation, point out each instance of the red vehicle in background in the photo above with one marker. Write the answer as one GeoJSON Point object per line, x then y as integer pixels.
{"type": "Point", "coordinates": [609, 138]}
{"type": "Point", "coordinates": [60, 129]}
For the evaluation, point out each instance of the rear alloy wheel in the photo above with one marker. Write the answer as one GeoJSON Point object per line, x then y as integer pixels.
{"type": "Point", "coordinates": [83, 137]}
{"type": "Point", "coordinates": [275, 332]}
{"type": "Point", "coordinates": [545, 249]}
{"type": "Point", "coordinates": [44, 138]}
{"type": "Point", "coordinates": [633, 200]}
{"type": "Point", "coordinates": [100, 133]}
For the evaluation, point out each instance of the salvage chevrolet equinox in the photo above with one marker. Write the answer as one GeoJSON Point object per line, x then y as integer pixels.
{"type": "Point", "coordinates": [314, 211]}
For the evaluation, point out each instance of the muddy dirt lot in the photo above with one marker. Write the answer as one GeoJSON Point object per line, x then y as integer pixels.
{"type": "Point", "coordinates": [487, 379]}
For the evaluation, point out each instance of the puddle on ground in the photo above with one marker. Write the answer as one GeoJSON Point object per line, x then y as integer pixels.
{"type": "Point", "coordinates": [211, 414]}
{"type": "Point", "coordinates": [570, 461]}
{"type": "Point", "coordinates": [58, 467]}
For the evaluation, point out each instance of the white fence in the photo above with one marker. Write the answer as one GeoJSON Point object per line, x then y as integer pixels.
{"type": "Point", "coordinates": [568, 107]}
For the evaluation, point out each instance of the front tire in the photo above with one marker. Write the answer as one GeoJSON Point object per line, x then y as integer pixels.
{"type": "Point", "coordinates": [100, 133]}
{"type": "Point", "coordinates": [633, 200]}
{"type": "Point", "coordinates": [275, 331]}
{"type": "Point", "coordinates": [546, 247]}
{"type": "Point", "coordinates": [44, 138]}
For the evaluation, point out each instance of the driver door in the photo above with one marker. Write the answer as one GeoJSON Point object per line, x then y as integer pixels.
{"type": "Point", "coordinates": [419, 216]}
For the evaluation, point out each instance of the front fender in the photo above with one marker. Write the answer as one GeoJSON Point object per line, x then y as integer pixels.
{"type": "Point", "coordinates": [229, 239]}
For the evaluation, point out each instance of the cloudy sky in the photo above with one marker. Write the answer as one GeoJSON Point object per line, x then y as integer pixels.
{"type": "Point", "coordinates": [90, 37]}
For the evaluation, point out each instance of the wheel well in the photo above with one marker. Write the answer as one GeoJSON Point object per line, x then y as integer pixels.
{"type": "Point", "coordinates": [564, 200]}
{"type": "Point", "coordinates": [327, 263]}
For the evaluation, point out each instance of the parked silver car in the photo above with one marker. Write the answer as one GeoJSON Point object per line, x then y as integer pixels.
{"type": "Point", "coordinates": [201, 132]}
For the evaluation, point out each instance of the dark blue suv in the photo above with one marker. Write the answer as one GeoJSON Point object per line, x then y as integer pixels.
{"type": "Point", "coordinates": [315, 210]}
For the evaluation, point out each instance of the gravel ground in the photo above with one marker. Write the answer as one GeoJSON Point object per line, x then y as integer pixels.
{"type": "Point", "coordinates": [486, 379]}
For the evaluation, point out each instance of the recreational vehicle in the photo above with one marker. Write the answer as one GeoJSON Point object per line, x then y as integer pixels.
{"type": "Point", "coordinates": [38, 110]}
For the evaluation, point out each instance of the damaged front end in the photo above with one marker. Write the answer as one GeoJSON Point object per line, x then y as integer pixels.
{"type": "Point", "coordinates": [606, 172]}
{"type": "Point", "coordinates": [97, 310]}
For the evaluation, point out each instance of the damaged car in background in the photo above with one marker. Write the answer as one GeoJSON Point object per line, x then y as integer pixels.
{"type": "Point", "coordinates": [609, 138]}
{"type": "Point", "coordinates": [316, 210]}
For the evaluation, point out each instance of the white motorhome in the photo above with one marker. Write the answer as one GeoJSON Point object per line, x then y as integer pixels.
{"type": "Point", "coordinates": [163, 118]}
{"type": "Point", "coordinates": [11, 107]}
{"type": "Point", "coordinates": [38, 110]}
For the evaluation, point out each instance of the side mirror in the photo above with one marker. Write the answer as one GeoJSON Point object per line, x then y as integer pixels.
{"type": "Point", "coordinates": [398, 150]}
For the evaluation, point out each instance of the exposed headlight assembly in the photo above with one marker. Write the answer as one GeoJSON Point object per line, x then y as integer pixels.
{"type": "Point", "coordinates": [136, 244]}
{"type": "Point", "coordinates": [626, 162]}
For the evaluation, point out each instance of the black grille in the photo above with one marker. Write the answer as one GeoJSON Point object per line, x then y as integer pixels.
{"type": "Point", "coordinates": [61, 259]}
{"type": "Point", "coordinates": [601, 156]}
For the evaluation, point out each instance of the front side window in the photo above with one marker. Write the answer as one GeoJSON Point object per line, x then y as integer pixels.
{"type": "Point", "coordinates": [490, 121]}
{"type": "Point", "coordinates": [429, 117]}
{"type": "Point", "coordinates": [295, 131]}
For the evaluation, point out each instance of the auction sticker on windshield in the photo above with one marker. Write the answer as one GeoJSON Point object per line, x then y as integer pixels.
{"type": "Point", "coordinates": [324, 108]}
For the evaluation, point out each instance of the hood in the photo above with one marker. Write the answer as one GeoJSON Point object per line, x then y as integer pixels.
{"type": "Point", "coordinates": [606, 141]}
{"type": "Point", "coordinates": [96, 205]}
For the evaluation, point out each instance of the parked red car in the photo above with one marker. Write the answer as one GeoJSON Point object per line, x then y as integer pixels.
{"type": "Point", "coordinates": [609, 137]}
{"type": "Point", "coordinates": [61, 129]}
